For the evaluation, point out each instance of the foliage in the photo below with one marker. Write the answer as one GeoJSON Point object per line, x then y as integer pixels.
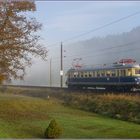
{"type": "Point", "coordinates": [124, 107]}
{"type": "Point", "coordinates": [53, 130]}
{"type": "Point", "coordinates": [18, 40]}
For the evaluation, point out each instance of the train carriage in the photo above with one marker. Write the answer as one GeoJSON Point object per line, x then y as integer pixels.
{"type": "Point", "coordinates": [120, 76]}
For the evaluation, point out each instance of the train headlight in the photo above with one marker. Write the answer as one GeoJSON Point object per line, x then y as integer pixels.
{"type": "Point", "coordinates": [138, 83]}
{"type": "Point", "coordinates": [136, 79]}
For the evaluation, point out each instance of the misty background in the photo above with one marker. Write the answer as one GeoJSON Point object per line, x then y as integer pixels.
{"type": "Point", "coordinates": [93, 51]}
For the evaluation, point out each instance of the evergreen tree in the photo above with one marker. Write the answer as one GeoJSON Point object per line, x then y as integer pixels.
{"type": "Point", "coordinates": [53, 130]}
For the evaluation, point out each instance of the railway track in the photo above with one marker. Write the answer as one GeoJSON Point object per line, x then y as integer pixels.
{"type": "Point", "coordinates": [77, 91]}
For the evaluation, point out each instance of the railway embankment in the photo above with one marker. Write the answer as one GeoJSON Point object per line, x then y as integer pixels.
{"type": "Point", "coordinates": [123, 107]}
{"type": "Point", "coordinates": [119, 106]}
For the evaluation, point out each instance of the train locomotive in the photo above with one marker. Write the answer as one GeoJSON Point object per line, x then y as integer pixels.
{"type": "Point", "coordinates": [123, 75]}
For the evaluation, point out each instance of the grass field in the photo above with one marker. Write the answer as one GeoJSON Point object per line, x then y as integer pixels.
{"type": "Point", "coordinates": [28, 117]}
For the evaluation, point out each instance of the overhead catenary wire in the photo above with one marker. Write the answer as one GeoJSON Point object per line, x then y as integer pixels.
{"type": "Point", "coordinates": [99, 28]}
{"type": "Point", "coordinates": [128, 50]}
{"type": "Point", "coordinates": [95, 29]}
{"type": "Point", "coordinates": [103, 51]}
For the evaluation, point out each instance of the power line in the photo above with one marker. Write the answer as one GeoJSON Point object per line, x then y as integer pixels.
{"type": "Point", "coordinates": [128, 50]}
{"type": "Point", "coordinates": [110, 48]}
{"type": "Point", "coordinates": [98, 28]}
{"type": "Point", "coordinates": [100, 51]}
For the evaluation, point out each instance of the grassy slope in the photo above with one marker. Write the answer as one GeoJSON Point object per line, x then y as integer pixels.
{"type": "Point", "coordinates": [27, 117]}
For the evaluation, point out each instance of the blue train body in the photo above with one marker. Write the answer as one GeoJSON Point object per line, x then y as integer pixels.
{"type": "Point", "coordinates": [124, 76]}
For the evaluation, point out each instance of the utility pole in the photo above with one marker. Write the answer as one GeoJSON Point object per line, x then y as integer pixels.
{"type": "Point", "coordinates": [50, 72]}
{"type": "Point", "coordinates": [61, 69]}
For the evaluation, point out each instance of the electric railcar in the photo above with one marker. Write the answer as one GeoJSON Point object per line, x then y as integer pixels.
{"type": "Point", "coordinates": [120, 76]}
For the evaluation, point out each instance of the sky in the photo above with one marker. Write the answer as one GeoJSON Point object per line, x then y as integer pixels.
{"type": "Point", "coordinates": [63, 20]}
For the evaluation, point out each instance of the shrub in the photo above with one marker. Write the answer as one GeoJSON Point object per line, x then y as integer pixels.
{"type": "Point", "coordinates": [123, 107]}
{"type": "Point", "coordinates": [53, 130]}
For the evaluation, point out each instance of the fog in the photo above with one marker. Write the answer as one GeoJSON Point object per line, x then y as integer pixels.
{"type": "Point", "coordinates": [96, 50]}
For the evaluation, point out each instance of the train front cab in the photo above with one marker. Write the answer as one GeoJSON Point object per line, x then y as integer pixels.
{"type": "Point", "coordinates": [136, 75]}
{"type": "Point", "coordinates": [128, 79]}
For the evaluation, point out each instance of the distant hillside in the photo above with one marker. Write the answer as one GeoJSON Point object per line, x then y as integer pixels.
{"type": "Point", "coordinates": [108, 49]}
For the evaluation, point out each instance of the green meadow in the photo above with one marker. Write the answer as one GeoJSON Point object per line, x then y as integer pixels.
{"type": "Point", "coordinates": [28, 117]}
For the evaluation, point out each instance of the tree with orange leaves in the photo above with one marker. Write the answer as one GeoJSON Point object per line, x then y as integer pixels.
{"type": "Point", "coordinates": [18, 39]}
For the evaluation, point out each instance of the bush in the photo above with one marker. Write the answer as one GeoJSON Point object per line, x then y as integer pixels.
{"type": "Point", "coordinates": [53, 131]}
{"type": "Point", "coordinates": [123, 107]}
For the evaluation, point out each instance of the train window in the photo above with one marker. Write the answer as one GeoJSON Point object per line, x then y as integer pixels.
{"type": "Point", "coordinates": [85, 74]}
{"type": "Point", "coordinates": [78, 75]}
{"type": "Point", "coordinates": [108, 73]}
{"type": "Point", "coordinates": [123, 72]}
{"type": "Point", "coordinates": [129, 72]}
{"type": "Point", "coordinates": [81, 74]}
{"type": "Point", "coordinates": [118, 72]}
{"type": "Point", "coordinates": [102, 73]}
{"type": "Point", "coordinates": [137, 71]}
{"type": "Point", "coordinates": [113, 73]}
{"type": "Point", "coordinates": [98, 74]}
{"type": "Point", "coordinates": [75, 74]}
{"type": "Point", "coordinates": [93, 74]}
{"type": "Point", "coordinates": [90, 74]}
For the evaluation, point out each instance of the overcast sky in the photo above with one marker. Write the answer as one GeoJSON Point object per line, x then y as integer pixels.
{"type": "Point", "coordinates": [65, 19]}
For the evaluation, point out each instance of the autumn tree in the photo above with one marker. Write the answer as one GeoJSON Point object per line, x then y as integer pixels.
{"type": "Point", "coordinates": [18, 38]}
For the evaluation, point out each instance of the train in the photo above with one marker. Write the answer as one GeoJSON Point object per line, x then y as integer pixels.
{"type": "Point", "coordinates": [123, 75]}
